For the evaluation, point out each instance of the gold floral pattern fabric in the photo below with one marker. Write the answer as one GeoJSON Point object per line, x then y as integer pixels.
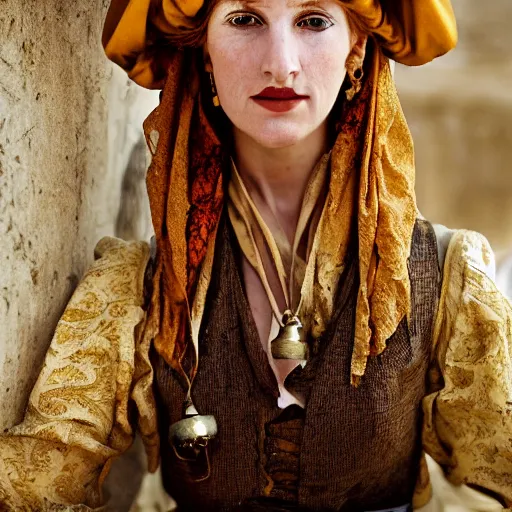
{"type": "Point", "coordinates": [467, 424]}
{"type": "Point", "coordinates": [77, 417]}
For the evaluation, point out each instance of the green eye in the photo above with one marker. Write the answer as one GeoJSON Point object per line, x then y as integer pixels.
{"type": "Point", "coordinates": [314, 23]}
{"type": "Point", "coordinates": [244, 20]}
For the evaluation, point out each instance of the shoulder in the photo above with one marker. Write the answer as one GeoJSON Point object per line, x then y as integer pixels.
{"type": "Point", "coordinates": [116, 250]}
{"type": "Point", "coordinates": [470, 300]}
{"type": "Point", "coordinates": [118, 262]}
{"type": "Point", "coordinates": [116, 277]}
{"type": "Point", "coordinates": [110, 293]}
{"type": "Point", "coordinates": [456, 249]}
{"type": "Point", "coordinates": [464, 250]}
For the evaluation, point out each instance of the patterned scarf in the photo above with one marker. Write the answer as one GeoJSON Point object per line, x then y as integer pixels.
{"type": "Point", "coordinates": [371, 187]}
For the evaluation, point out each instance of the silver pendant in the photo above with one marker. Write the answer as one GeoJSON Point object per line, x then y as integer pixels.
{"type": "Point", "coordinates": [190, 436]}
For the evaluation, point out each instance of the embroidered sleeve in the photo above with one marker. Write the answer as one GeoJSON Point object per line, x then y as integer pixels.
{"type": "Point", "coordinates": [468, 414]}
{"type": "Point", "coordinates": [77, 418]}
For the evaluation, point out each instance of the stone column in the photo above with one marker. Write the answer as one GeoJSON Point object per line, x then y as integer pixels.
{"type": "Point", "coordinates": [68, 122]}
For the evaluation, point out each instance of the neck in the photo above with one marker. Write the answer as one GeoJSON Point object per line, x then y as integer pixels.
{"type": "Point", "coordinates": [279, 176]}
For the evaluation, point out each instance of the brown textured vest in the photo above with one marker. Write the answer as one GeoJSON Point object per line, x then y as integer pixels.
{"type": "Point", "coordinates": [350, 449]}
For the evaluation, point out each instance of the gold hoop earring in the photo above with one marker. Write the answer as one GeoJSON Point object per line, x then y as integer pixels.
{"type": "Point", "coordinates": [354, 66]}
{"type": "Point", "coordinates": [215, 96]}
{"type": "Point", "coordinates": [355, 76]}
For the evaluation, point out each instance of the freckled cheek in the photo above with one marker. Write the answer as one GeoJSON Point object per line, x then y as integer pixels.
{"type": "Point", "coordinates": [325, 73]}
{"type": "Point", "coordinates": [327, 63]}
{"type": "Point", "coordinates": [236, 80]}
{"type": "Point", "coordinates": [235, 68]}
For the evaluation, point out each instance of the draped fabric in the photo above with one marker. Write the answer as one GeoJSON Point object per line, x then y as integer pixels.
{"type": "Point", "coordinates": [371, 182]}
{"type": "Point", "coordinates": [371, 161]}
{"type": "Point", "coordinates": [281, 262]}
{"type": "Point", "coordinates": [286, 268]}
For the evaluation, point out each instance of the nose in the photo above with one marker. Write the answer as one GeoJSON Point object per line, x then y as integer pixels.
{"type": "Point", "coordinates": [281, 56]}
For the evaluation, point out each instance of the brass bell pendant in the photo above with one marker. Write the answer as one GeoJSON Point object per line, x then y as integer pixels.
{"type": "Point", "coordinates": [289, 343]}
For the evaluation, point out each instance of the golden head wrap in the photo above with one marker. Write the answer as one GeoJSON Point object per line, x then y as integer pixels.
{"type": "Point", "coordinates": [411, 32]}
{"type": "Point", "coordinates": [372, 174]}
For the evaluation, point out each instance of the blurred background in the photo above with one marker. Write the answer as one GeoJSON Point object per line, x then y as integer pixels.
{"type": "Point", "coordinates": [73, 163]}
{"type": "Point", "coordinates": [459, 110]}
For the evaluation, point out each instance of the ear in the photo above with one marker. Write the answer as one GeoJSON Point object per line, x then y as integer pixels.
{"type": "Point", "coordinates": [354, 65]}
{"type": "Point", "coordinates": [358, 42]}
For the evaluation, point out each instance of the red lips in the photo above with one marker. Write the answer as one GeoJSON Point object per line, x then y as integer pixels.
{"type": "Point", "coordinates": [279, 93]}
{"type": "Point", "coordinates": [278, 99]}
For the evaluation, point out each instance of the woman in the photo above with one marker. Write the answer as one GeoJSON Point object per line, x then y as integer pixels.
{"type": "Point", "coordinates": [292, 329]}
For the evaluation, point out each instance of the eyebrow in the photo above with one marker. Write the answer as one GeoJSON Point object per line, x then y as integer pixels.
{"type": "Point", "coordinates": [310, 3]}
{"type": "Point", "coordinates": [307, 3]}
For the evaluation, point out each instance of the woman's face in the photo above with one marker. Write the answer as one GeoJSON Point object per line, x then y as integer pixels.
{"type": "Point", "coordinates": [278, 65]}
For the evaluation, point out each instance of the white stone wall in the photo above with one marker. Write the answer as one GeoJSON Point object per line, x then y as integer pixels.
{"type": "Point", "coordinates": [68, 122]}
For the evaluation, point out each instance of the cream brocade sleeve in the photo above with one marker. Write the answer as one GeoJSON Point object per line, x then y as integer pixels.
{"type": "Point", "coordinates": [79, 414]}
{"type": "Point", "coordinates": [467, 425]}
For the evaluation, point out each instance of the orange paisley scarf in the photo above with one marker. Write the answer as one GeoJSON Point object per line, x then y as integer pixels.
{"type": "Point", "coordinates": [372, 176]}
{"type": "Point", "coordinates": [372, 169]}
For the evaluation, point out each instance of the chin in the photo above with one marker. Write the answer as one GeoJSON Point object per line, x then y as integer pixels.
{"type": "Point", "coordinates": [279, 135]}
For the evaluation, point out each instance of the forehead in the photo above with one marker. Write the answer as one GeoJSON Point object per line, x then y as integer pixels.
{"type": "Point", "coordinates": [270, 3]}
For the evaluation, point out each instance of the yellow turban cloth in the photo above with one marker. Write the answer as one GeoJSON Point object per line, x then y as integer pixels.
{"type": "Point", "coordinates": [371, 182]}
{"type": "Point", "coordinates": [411, 32]}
